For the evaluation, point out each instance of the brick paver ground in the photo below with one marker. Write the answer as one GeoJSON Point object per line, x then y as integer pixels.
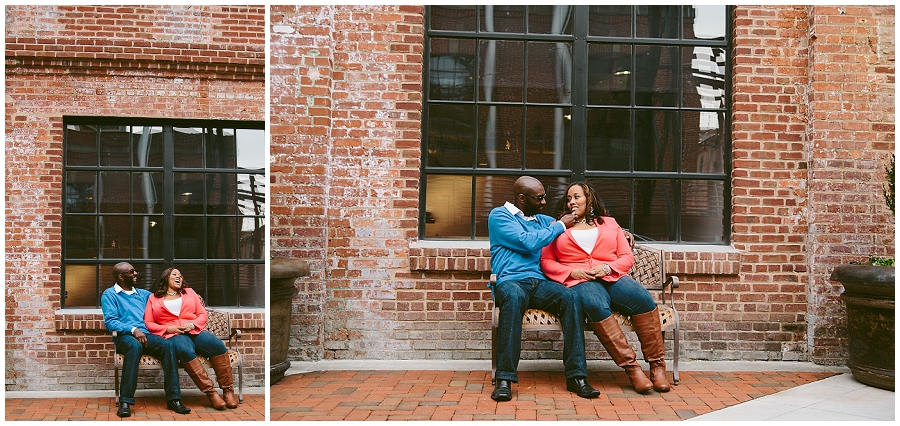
{"type": "Point", "coordinates": [145, 408]}
{"type": "Point", "coordinates": [460, 395]}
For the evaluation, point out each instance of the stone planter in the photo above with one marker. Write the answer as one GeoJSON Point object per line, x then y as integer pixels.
{"type": "Point", "coordinates": [282, 274]}
{"type": "Point", "coordinates": [869, 296]}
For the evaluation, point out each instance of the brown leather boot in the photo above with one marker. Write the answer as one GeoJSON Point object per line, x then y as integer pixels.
{"type": "Point", "coordinates": [198, 374]}
{"type": "Point", "coordinates": [649, 332]}
{"type": "Point", "coordinates": [613, 339]}
{"type": "Point", "coordinates": [221, 364]}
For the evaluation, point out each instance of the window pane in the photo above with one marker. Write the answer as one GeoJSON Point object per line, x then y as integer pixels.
{"type": "Point", "coordinates": [221, 149]}
{"type": "Point", "coordinates": [704, 142]}
{"type": "Point", "coordinates": [448, 206]}
{"type": "Point", "coordinates": [608, 139]}
{"type": "Point", "coordinates": [81, 192]}
{"type": "Point", "coordinates": [503, 19]}
{"type": "Point", "coordinates": [252, 290]}
{"type": "Point", "coordinates": [222, 243]}
{"type": "Point", "coordinates": [549, 73]}
{"type": "Point", "coordinates": [656, 77]}
{"type": "Point", "coordinates": [115, 146]}
{"type": "Point", "coordinates": [189, 194]}
{"type": "Point", "coordinates": [616, 197]}
{"type": "Point", "coordinates": [251, 149]}
{"type": "Point", "coordinates": [189, 237]}
{"type": "Point", "coordinates": [148, 274]}
{"type": "Point", "coordinates": [702, 205]}
{"type": "Point", "coordinates": [81, 145]}
{"type": "Point", "coordinates": [549, 138]}
{"type": "Point", "coordinates": [252, 238]}
{"type": "Point", "coordinates": [704, 82]}
{"type": "Point", "coordinates": [609, 74]}
{"type": "Point", "coordinates": [81, 237]}
{"type": "Point", "coordinates": [491, 192]}
{"type": "Point", "coordinates": [500, 145]}
{"type": "Point", "coordinates": [657, 21]}
{"type": "Point", "coordinates": [147, 192]}
{"type": "Point", "coordinates": [188, 147]}
{"type": "Point", "coordinates": [115, 192]}
{"type": "Point", "coordinates": [221, 191]}
{"type": "Point", "coordinates": [451, 73]}
{"type": "Point", "coordinates": [453, 18]}
{"type": "Point", "coordinates": [251, 194]}
{"type": "Point", "coordinates": [115, 237]}
{"type": "Point", "coordinates": [148, 237]}
{"type": "Point", "coordinates": [704, 22]}
{"type": "Point", "coordinates": [501, 70]}
{"type": "Point", "coordinates": [81, 286]}
{"type": "Point", "coordinates": [656, 137]}
{"type": "Point", "coordinates": [655, 209]}
{"type": "Point", "coordinates": [222, 285]}
{"type": "Point", "coordinates": [451, 135]}
{"type": "Point", "coordinates": [610, 21]}
{"type": "Point", "coordinates": [147, 146]}
{"type": "Point", "coordinates": [548, 19]}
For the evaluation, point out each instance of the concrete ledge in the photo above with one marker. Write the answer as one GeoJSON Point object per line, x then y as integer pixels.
{"type": "Point", "coordinates": [298, 367]}
{"type": "Point", "coordinates": [112, 393]}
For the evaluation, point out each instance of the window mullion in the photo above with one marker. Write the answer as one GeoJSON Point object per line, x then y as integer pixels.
{"type": "Point", "coordinates": [168, 195]}
{"type": "Point", "coordinates": [579, 93]}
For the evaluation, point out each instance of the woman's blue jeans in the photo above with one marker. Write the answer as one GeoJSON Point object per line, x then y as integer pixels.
{"type": "Point", "coordinates": [625, 296]}
{"type": "Point", "coordinates": [513, 298]}
{"type": "Point", "coordinates": [131, 349]}
{"type": "Point", "coordinates": [205, 344]}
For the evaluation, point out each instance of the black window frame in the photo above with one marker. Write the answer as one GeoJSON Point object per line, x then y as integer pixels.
{"type": "Point", "coordinates": [168, 169]}
{"type": "Point", "coordinates": [580, 39]}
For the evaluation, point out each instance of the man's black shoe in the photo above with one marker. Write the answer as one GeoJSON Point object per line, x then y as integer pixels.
{"type": "Point", "coordinates": [124, 410]}
{"type": "Point", "coordinates": [502, 392]}
{"type": "Point", "coordinates": [580, 386]}
{"type": "Point", "coordinates": [176, 406]}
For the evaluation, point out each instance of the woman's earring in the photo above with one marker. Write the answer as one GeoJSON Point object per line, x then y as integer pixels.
{"type": "Point", "coordinates": [592, 212]}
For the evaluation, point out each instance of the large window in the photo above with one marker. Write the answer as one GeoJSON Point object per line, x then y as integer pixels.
{"type": "Point", "coordinates": [162, 193]}
{"type": "Point", "coordinates": [630, 98]}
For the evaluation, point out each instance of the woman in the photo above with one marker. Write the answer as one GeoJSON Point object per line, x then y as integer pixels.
{"type": "Point", "coordinates": [176, 312]}
{"type": "Point", "coordinates": [593, 257]}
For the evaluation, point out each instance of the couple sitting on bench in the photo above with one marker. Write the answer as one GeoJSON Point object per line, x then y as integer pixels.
{"type": "Point", "coordinates": [575, 268]}
{"type": "Point", "coordinates": [169, 325]}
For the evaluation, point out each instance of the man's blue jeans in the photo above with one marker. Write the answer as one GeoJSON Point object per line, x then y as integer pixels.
{"type": "Point", "coordinates": [206, 344]}
{"type": "Point", "coordinates": [132, 350]}
{"type": "Point", "coordinates": [513, 298]}
{"type": "Point", "coordinates": [626, 296]}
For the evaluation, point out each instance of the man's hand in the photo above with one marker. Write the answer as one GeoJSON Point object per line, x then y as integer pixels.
{"type": "Point", "coordinates": [140, 336]}
{"type": "Point", "coordinates": [568, 219]}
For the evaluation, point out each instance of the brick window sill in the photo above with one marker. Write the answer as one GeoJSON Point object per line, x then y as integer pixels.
{"type": "Point", "coordinates": [92, 319]}
{"type": "Point", "coordinates": [474, 256]}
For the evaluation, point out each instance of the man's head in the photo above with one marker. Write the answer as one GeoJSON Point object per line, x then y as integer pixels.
{"type": "Point", "coordinates": [530, 195]}
{"type": "Point", "coordinates": [124, 274]}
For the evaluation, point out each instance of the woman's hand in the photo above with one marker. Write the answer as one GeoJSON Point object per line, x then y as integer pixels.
{"type": "Point", "coordinates": [581, 274]}
{"type": "Point", "coordinates": [600, 271]}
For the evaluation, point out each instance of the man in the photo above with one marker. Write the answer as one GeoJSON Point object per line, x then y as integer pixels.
{"type": "Point", "coordinates": [517, 234]}
{"type": "Point", "coordinates": [123, 312]}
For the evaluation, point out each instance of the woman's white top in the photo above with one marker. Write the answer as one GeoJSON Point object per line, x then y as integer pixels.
{"type": "Point", "coordinates": [174, 305]}
{"type": "Point", "coordinates": [586, 238]}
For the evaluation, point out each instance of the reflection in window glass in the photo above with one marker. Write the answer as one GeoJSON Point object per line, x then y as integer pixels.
{"type": "Point", "coordinates": [702, 204]}
{"type": "Point", "coordinates": [147, 146]}
{"type": "Point", "coordinates": [188, 147]}
{"type": "Point", "coordinates": [609, 139]}
{"type": "Point", "coordinates": [500, 145]}
{"type": "Point", "coordinates": [451, 135]}
{"type": "Point", "coordinates": [550, 19]}
{"type": "Point", "coordinates": [503, 19]}
{"type": "Point", "coordinates": [501, 71]}
{"type": "Point", "coordinates": [550, 73]}
{"type": "Point", "coordinates": [549, 138]}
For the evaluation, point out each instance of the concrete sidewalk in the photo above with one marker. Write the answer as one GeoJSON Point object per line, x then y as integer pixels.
{"type": "Point", "coordinates": [460, 390]}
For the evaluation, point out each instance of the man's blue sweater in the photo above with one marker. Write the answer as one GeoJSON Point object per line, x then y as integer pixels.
{"type": "Point", "coordinates": [516, 243]}
{"type": "Point", "coordinates": [122, 312]}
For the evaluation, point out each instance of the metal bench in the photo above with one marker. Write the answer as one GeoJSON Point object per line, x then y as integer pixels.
{"type": "Point", "coordinates": [219, 324]}
{"type": "Point", "coordinates": [649, 269]}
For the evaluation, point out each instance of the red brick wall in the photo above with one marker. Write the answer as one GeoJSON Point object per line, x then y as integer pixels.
{"type": "Point", "coordinates": [812, 128]}
{"type": "Point", "coordinates": [157, 61]}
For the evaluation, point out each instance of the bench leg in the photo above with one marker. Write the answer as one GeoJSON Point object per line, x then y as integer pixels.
{"type": "Point", "coordinates": [116, 378]}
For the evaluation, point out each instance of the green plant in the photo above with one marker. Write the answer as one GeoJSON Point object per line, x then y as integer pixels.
{"type": "Point", "coordinates": [881, 261]}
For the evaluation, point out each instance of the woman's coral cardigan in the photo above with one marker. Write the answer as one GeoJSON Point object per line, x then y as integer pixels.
{"type": "Point", "coordinates": [560, 257]}
{"type": "Point", "coordinates": [158, 318]}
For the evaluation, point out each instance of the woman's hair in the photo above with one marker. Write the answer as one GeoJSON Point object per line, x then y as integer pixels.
{"type": "Point", "coordinates": [162, 284]}
{"type": "Point", "coordinates": [594, 204]}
